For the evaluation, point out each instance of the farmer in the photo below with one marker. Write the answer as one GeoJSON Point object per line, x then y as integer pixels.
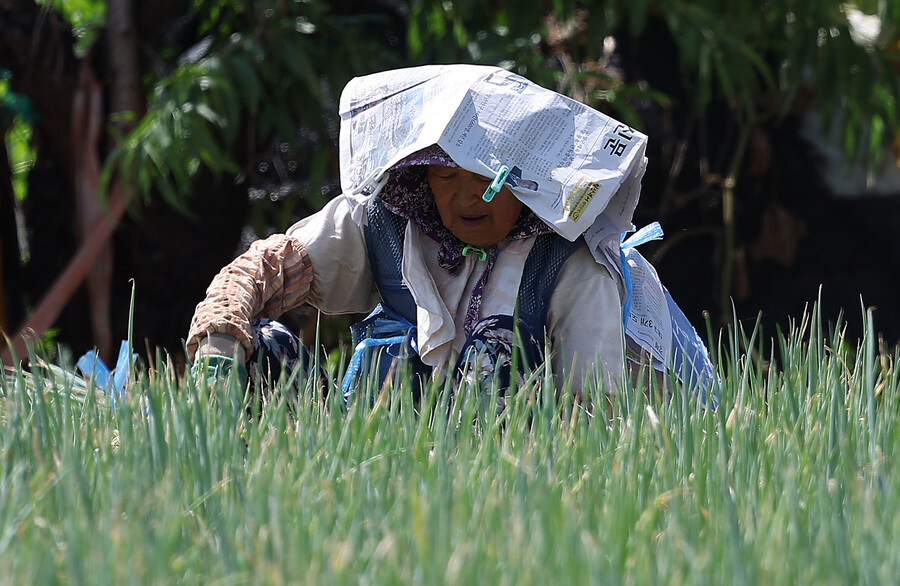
{"type": "Point", "coordinates": [457, 270]}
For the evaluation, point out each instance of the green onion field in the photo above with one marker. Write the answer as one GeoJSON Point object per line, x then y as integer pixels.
{"type": "Point", "coordinates": [792, 480]}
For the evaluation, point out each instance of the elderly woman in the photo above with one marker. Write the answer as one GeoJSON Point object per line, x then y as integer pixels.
{"type": "Point", "coordinates": [465, 258]}
{"type": "Point", "coordinates": [456, 267]}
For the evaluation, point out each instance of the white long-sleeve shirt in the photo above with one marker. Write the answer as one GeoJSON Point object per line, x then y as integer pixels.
{"type": "Point", "coordinates": [584, 321]}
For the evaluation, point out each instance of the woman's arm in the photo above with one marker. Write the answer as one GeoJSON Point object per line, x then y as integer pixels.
{"type": "Point", "coordinates": [272, 277]}
{"type": "Point", "coordinates": [321, 260]}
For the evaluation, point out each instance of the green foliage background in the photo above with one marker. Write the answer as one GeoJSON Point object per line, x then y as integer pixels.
{"type": "Point", "coordinates": [272, 66]}
{"type": "Point", "coordinates": [242, 81]}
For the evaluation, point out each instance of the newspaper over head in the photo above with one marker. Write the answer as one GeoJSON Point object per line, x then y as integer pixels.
{"type": "Point", "coordinates": [577, 169]}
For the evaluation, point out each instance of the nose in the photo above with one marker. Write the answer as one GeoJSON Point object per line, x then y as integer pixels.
{"type": "Point", "coordinates": [473, 187]}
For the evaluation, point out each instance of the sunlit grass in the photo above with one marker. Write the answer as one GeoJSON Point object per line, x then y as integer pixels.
{"type": "Point", "coordinates": [792, 480]}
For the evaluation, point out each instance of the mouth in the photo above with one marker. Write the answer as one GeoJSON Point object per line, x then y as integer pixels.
{"type": "Point", "coordinates": [471, 222]}
{"type": "Point", "coordinates": [471, 218]}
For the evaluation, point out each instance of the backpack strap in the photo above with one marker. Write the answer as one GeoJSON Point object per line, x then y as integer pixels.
{"type": "Point", "coordinates": [547, 257]}
{"type": "Point", "coordinates": [384, 240]}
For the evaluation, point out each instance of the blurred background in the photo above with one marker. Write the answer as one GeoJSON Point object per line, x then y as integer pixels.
{"type": "Point", "coordinates": [146, 143]}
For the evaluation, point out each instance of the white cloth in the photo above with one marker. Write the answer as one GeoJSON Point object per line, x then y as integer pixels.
{"type": "Point", "coordinates": [584, 321]}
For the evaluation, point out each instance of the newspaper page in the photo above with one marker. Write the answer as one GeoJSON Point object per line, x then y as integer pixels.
{"type": "Point", "coordinates": [567, 160]}
{"type": "Point", "coordinates": [648, 322]}
{"type": "Point", "coordinates": [387, 116]}
{"type": "Point", "coordinates": [691, 362]}
{"type": "Point", "coordinates": [656, 323]}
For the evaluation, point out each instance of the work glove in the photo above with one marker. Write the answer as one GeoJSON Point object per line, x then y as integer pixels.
{"type": "Point", "coordinates": [214, 368]}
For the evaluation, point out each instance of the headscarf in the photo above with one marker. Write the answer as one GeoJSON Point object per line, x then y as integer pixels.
{"type": "Point", "coordinates": [408, 194]}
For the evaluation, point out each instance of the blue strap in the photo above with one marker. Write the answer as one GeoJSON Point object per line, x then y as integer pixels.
{"type": "Point", "coordinates": [629, 288]}
{"type": "Point", "coordinates": [381, 328]}
{"type": "Point", "coordinates": [359, 354]}
{"type": "Point", "coordinates": [652, 231]}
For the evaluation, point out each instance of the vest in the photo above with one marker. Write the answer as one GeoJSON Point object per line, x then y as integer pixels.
{"type": "Point", "coordinates": [384, 235]}
{"type": "Point", "coordinates": [390, 330]}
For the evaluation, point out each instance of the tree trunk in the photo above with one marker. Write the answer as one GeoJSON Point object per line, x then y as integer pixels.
{"type": "Point", "coordinates": [125, 94]}
{"type": "Point", "coordinates": [126, 105]}
{"type": "Point", "coordinates": [10, 263]}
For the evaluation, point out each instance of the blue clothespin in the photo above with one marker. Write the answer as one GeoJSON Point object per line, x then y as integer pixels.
{"type": "Point", "coordinates": [496, 183]}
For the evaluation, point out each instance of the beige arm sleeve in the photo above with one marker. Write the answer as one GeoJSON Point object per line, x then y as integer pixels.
{"type": "Point", "coordinates": [272, 277]}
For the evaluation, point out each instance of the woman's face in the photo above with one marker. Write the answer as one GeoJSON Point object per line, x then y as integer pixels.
{"type": "Point", "coordinates": [458, 192]}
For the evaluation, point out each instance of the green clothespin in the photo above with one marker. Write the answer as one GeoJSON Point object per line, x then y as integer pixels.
{"type": "Point", "coordinates": [496, 183]}
{"type": "Point", "coordinates": [479, 252]}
